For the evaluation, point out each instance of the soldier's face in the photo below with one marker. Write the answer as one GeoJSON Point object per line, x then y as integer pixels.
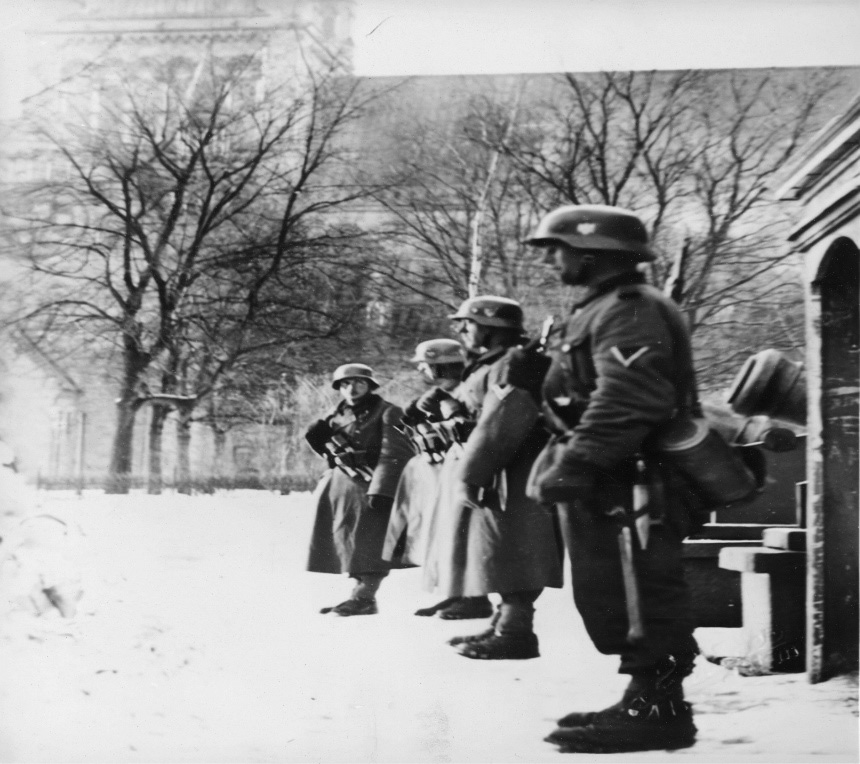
{"type": "Point", "coordinates": [353, 389]}
{"type": "Point", "coordinates": [574, 265]}
{"type": "Point", "coordinates": [471, 334]}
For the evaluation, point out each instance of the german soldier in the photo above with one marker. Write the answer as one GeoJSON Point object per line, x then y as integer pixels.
{"type": "Point", "coordinates": [413, 519]}
{"type": "Point", "coordinates": [620, 369]}
{"type": "Point", "coordinates": [492, 538]}
{"type": "Point", "coordinates": [367, 453]}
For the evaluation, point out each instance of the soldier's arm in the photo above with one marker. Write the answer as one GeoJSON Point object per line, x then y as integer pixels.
{"type": "Point", "coordinates": [508, 416]}
{"type": "Point", "coordinates": [635, 390]}
{"type": "Point", "coordinates": [395, 451]}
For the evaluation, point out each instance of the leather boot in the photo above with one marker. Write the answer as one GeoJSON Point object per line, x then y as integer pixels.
{"type": "Point", "coordinates": [433, 609]}
{"type": "Point", "coordinates": [481, 635]}
{"type": "Point", "coordinates": [638, 725]}
{"type": "Point", "coordinates": [353, 607]}
{"type": "Point", "coordinates": [502, 647]}
{"type": "Point", "coordinates": [668, 674]}
{"type": "Point", "coordinates": [513, 637]}
{"type": "Point", "coordinates": [464, 608]}
{"type": "Point", "coordinates": [652, 715]}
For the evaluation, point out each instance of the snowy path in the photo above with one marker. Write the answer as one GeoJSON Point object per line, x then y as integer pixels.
{"type": "Point", "coordinates": [198, 640]}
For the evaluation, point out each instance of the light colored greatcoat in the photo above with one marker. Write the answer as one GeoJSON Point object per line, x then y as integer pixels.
{"type": "Point", "coordinates": [477, 551]}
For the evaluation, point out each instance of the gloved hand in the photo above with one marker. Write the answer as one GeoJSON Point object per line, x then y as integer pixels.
{"type": "Point", "coordinates": [525, 368]}
{"type": "Point", "coordinates": [379, 503]}
{"type": "Point", "coordinates": [429, 403]}
{"type": "Point", "coordinates": [318, 434]}
{"type": "Point", "coordinates": [566, 481]}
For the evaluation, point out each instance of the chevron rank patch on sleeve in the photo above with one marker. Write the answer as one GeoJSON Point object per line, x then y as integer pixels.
{"type": "Point", "coordinates": [628, 355]}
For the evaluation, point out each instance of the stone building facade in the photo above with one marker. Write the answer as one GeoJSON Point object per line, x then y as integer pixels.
{"type": "Point", "coordinates": [825, 182]}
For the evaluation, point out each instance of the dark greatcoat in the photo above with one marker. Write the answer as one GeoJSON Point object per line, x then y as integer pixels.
{"type": "Point", "coordinates": [348, 535]}
{"type": "Point", "coordinates": [478, 551]}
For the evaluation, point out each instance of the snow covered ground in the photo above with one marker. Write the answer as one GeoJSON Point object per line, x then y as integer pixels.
{"type": "Point", "coordinates": [198, 640]}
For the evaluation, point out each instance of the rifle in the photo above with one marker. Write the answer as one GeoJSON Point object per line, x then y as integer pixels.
{"type": "Point", "coordinates": [344, 456]}
{"type": "Point", "coordinates": [337, 448]}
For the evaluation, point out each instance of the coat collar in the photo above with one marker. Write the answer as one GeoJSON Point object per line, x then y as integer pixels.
{"type": "Point", "coordinates": [622, 279]}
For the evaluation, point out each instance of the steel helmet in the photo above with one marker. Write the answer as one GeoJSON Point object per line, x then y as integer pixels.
{"type": "Point", "coordinates": [490, 310]}
{"type": "Point", "coordinates": [353, 371]}
{"type": "Point", "coordinates": [594, 226]}
{"type": "Point", "coordinates": [439, 351]}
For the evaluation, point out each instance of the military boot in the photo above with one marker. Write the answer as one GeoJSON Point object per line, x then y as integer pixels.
{"type": "Point", "coordinates": [433, 609]}
{"type": "Point", "coordinates": [354, 606]}
{"type": "Point", "coordinates": [464, 608]}
{"type": "Point", "coordinates": [637, 725]}
{"type": "Point", "coordinates": [668, 675]}
{"type": "Point", "coordinates": [513, 637]}
{"type": "Point", "coordinates": [502, 647]}
{"type": "Point", "coordinates": [481, 635]}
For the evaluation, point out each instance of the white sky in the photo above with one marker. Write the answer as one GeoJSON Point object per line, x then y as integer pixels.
{"type": "Point", "coordinates": [402, 37]}
{"type": "Point", "coordinates": [510, 36]}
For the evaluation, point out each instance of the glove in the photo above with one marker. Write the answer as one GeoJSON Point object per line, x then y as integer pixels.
{"type": "Point", "coordinates": [379, 503]}
{"type": "Point", "coordinates": [566, 481]}
{"type": "Point", "coordinates": [429, 403]}
{"type": "Point", "coordinates": [524, 368]}
{"type": "Point", "coordinates": [318, 434]}
{"type": "Point", "coordinates": [451, 407]}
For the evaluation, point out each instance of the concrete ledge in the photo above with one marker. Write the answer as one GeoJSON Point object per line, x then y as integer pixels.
{"type": "Point", "coordinates": [787, 539]}
{"type": "Point", "coordinates": [763, 560]}
{"type": "Point", "coordinates": [711, 548]}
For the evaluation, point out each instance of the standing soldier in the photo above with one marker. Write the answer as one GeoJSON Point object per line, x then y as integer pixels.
{"type": "Point", "coordinates": [621, 369]}
{"type": "Point", "coordinates": [491, 537]}
{"type": "Point", "coordinates": [413, 518]}
{"type": "Point", "coordinates": [367, 453]}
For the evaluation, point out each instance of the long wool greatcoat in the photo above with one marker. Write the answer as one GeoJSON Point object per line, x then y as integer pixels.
{"type": "Point", "coordinates": [413, 516]}
{"type": "Point", "coordinates": [476, 551]}
{"type": "Point", "coordinates": [348, 535]}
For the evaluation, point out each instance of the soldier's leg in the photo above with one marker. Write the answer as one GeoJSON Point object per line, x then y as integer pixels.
{"type": "Point", "coordinates": [513, 637]}
{"type": "Point", "coordinates": [362, 601]}
{"type": "Point", "coordinates": [652, 713]}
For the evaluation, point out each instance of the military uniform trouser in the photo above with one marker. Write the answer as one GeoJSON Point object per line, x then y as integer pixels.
{"type": "Point", "coordinates": [598, 589]}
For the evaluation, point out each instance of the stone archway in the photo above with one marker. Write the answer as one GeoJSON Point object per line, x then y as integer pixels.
{"type": "Point", "coordinates": [834, 574]}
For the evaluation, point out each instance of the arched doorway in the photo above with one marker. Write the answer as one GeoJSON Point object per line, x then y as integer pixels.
{"type": "Point", "coordinates": [834, 574]}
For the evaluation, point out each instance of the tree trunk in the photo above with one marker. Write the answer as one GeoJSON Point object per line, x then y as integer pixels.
{"type": "Point", "coordinates": [220, 449]}
{"type": "Point", "coordinates": [119, 472]}
{"type": "Point", "coordinates": [156, 433]}
{"type": "Point", "coordinates": [122, 448]}
{"type": "Point", "coordinates": [183, 449]}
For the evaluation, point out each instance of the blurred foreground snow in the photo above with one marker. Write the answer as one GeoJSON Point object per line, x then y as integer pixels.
{"type": "Point", "coordinates": [198, 640]}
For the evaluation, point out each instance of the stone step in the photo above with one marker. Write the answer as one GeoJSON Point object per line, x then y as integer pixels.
{"type": "Point", "coordinates": [788, 539]}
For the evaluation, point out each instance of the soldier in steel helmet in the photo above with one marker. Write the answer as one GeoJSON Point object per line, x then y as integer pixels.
{"type": "Point", "coordinates": [621, 367]}
{"type": "Point", "coordinates": [434, 431]}
{"type": "Point", "coordinates": [367, 453]}
{"type": "Point", "coordinates": [489, 537]}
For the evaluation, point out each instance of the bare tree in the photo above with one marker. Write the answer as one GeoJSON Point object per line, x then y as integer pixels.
{"type": "Point", "coordinates": [185, 219]}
